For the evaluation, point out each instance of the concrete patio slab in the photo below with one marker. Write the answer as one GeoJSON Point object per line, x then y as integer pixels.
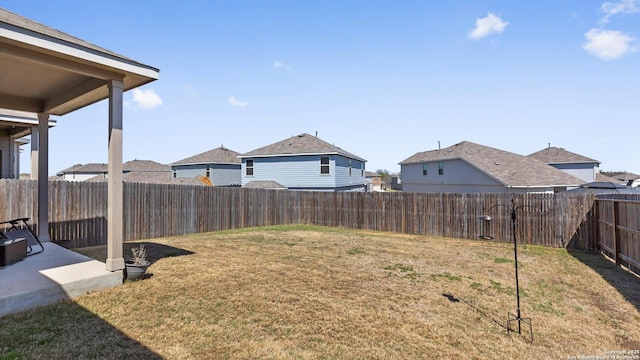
{"type": "Point", "coordinates": [51, 276]}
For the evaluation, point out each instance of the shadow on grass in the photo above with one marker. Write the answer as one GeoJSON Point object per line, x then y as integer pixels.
{"type": "Point", "coordinates": [65, 330]}
{"type": "Point", "coordinates": [626, 283]}
{"type": "Point", "coordinates": [477, 309]}
{"type": "Point", "coordinates": [155, 251]}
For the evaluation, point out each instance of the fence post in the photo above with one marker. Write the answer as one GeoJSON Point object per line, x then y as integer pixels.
{"type": "Point", "coordinates": [616, 232]}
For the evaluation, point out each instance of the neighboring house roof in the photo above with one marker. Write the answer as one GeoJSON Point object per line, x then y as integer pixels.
{"type": "Point", "coordinates": [604, 178]}
{"type": "Point", "coordinates": [86, 168]}
{"type": "Point", "coordinates": [555, 155]}
{"type": "Point", "coordinates": [145, 166]}
{"type": "Point", "coordinates": [303, 144]}
{"type": "Point", "coordinates": [370, 174]}
{"type": "Point", "coordinates": [152, 177]}
{"type": "Point", "coordinates": [267, 184]}
{"type": "Point", "coordinates": [220, 155]}
{"type": "Point", "coordinates": [507, 168]}
{"type": "Point", "coordinates": [603, 187]}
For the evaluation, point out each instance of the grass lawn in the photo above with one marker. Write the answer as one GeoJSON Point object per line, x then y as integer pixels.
{"type": "Point", "coordinates": [323, 293]}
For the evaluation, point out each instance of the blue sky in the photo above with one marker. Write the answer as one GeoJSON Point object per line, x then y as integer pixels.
{"type": "Point", "coordinates": [380, 79]}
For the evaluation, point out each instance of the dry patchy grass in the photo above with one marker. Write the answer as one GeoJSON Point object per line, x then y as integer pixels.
{"type": "Point", "coordinates": [322, 293]}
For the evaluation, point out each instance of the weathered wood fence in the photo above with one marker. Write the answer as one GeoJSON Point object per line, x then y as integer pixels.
{"type": "Point", "coordinates": [618, 231]}
{"type": "Point", "coordinates": [77, 212]}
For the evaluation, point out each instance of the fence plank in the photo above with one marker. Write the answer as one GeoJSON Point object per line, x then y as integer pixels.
{"type": "Point", "coordinates": [77, 211]}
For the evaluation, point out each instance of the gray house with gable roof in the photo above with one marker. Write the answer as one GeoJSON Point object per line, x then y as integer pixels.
{"type": "Point", "coordinates": [303, 162]}
{"type": "Point", "coordinates": [220, 165]}
{"type": "Point", "coordinates": [467, 167]}
{"type": "Point", "coordinates": [577, 165]}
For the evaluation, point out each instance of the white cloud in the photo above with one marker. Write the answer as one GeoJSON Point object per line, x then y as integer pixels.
{"type": "Point", "coordinates": [146, 99]}
{"type": "Point", "coordinates": [280, 65]}
{"type": "Point", "coordinates": [608, 44]}
{"type": "Point", "coordinates": [235, 102]}
{"type": "Point", "coordinates": [488, 25]}
{"type": "Point", "coordinates": [623, 7]}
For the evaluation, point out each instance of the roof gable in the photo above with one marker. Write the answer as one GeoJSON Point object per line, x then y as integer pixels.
{"type": "Point", "coordinates": [555, 155]}
{"type": "Point", "coordinates": [303, 144]}
{"type": "Point", "coordinates": [219, 155]}
{"type": "Point", "coordinates": [510, 169]}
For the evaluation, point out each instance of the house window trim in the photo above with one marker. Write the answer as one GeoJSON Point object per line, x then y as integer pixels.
{"type": "Point", "coordinates": [248, 168]}
{"type": "Point", "coordinates": [326, 166]}
{"type": "Point", "coordinates": [424, 169]}
{"type": "Point", "coordinates": [440, 168]}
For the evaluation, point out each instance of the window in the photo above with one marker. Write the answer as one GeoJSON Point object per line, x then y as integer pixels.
{"type": "Point", "coordinates": [362, 169]}
{"type": "Point", "coordinates": [349, 167]}
{"type": "Point", "coordinates": [424, 169]}
{"type": "Point", "coordinates": [324, 165]}
{"type": "Point", "coordinates": [249, 166]}
{"type": "Point", "coordinates": [175, 174]}
{"type": "Point", "coordinates": [208, 172]}
{"type": "Point", "coordinates": [440, 168]}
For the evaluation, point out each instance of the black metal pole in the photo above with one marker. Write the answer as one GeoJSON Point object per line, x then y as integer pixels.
{"type": "Point", "coordinates": [515, 255]}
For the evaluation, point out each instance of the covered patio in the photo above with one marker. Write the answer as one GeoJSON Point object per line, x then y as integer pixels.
{"type": "Point", "coordinates": [47, 72]}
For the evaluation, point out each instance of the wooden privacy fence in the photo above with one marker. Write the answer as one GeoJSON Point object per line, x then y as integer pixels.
{"type": "Point", "coordinates": [618, 231]}
{"type": "Point", "coordinates": [77, 212]}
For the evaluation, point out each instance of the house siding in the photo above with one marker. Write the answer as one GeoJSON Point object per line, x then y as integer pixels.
{"type": "Point", "coordinates": [458, 177]}
{"type": "Point", "coordinates": [220, 174]}
{"type": "Point", "coordinates": [586, 172]}
{"type": "Point", "coordinates": [9, 157]}
{"type": "Point", "coordinates": [357, 177]}
{"type": "Point", "coordinates": [292, 171]}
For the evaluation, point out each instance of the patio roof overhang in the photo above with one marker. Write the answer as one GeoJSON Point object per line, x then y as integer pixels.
{"type": "Point", "coordinates": [48, 72]}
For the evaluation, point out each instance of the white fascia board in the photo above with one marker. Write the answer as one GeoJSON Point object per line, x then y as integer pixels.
{"type": "Point", "coordinates": [77, 51]}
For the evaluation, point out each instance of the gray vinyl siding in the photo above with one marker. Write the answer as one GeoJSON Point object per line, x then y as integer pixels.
{"type": "Point", "coordinates": [220, 174]}
{"type": "Point", "coordinates": [291, 171]}
{"type": "Point", "coordinates": [5, 143]}
{"type": "Point", "coordinates": [586, 171]}
{"type": "Point", "coordinates": [189, 171]}
{"type": "Point", "coordinates": [458, 177]}
{"type": "Point", "coordinates": [343, 179]}
{"type": "Point", "coordinates": [226, 175]}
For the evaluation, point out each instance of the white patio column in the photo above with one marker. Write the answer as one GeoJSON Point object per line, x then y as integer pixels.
{"type": "Point", "coordinates": [34, 153]}
{"type": "Point", "coordinates": [115, 231]}
{"type": "Point", "coordinates": [43, 177]}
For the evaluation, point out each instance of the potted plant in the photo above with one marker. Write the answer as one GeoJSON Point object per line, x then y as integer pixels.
{"type": "Point", "coordinates": [137, 266]}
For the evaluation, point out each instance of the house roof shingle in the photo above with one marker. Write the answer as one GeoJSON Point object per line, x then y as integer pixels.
{"type": "Point", "coordinates": [145, 166]}
{"type": "Point", "coordinates": [85, 168]}
{"type": "Point", "coordinates": [510, 169]}
{"type": "Point", "coordinates": [555, 155]}
{"type": "Point", "coordinates": [266, 184]}
{"type": "Point", "coordinates": [303, 144]}
{"type": "Point", "coordinates": [219, 155]}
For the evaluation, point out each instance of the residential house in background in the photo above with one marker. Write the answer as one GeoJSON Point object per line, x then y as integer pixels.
{"type": "Point", "coordinates": [145, 171]}
{"type": "Point", "coordinates": [15, 126]}
{"type": "Point", "coordinates": [303, 162]}
{"type": "Point", "coordinates": [134, 171]}
{"type": "Point", "coordinates": [220, 165]}
{"type": "Point", "coordinates": [467, 167]}
{"type": "Point", "coordinates": [375, 182]}
{"type": "Point", "coordinates": [579, 166]}
{"type": "Point", "coordinates": [396, 183]}
{"type": "Point", "coordinates": [82, 172]}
